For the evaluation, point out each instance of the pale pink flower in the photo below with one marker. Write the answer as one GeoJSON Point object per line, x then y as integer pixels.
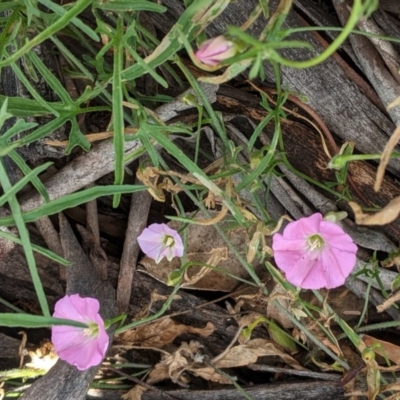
{"type": "Point", "coordinates": [82, 347]}
{"type": "Point", "coordinates": [314, 253]}
{"type": "Point", "coordinates": [213, 51]}
{"type": "Point", "coordinates": [159, 240]}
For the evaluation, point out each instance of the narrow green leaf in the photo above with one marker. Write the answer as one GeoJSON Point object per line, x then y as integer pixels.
{"type": "Point", "coordinates": [26, 243]}
{"type": "Point", "coordinates": [51, 5]}
{"type": "Point", "coordinates": [41, 250]}
{"type": "Point", "coordinates": [201, 11]}
{"type": "Point", "coordinates": [9, 5]}
{"type": "Point", "coordinates": [130, 5]}
{"type": "Point", "coordinates": [197, 172]}
{"type": "Point", "coordinates": [396, 282]}
{"type": "Point", "coordinates": [249, 179]}
{"type": "Point", "coordinates": [4, 115]}
{"type": "Point", "coordinates": [72, 200]}
{"type": "Point", "coordinates": [118, 117]}
{"type": "Point", "coordinates": [51, 30]}
{"type": "Point", "coordinates": [18, 127]}
{"type": "Point", "coordinates": [51, 80]}
{"type": "Point", "coordinates": [147, 69]}
{"type": "Point", "coordinates": [35, 321]}
{"type": "Point", "coordinates": [36, 182]}
{"type": "Point", "coordinates": [43, 130]}
{"type": "Point", "coordinates": [280, 336]}
{"type": "Point", "coordinates": [21, 107]}
{"type": "Point", "coordinates": [23, 182]}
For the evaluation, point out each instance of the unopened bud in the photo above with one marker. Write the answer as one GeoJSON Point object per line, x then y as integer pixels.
{"type": "Point", "coordinates": [215, 50]}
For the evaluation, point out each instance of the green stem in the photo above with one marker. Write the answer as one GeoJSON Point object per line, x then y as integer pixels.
{"type": "Point", "coordinates": [311, 336]}
{"type": "Point", "coordinates": [356, 13]}
{"type": "Point", "coordinates": [339, 161]}
{"type": "Point", "coordinates": [159, 313]}
{"type": "Point", "coordinates": [120, 318]}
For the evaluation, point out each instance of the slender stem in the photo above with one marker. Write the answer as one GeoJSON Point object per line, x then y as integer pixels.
{"type": "Point", "coordinates": [143, 321]}
{"type": "Point", "coordinates": [356, 12]}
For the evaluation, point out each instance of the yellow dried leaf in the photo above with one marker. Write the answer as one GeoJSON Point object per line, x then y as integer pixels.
{"type": "Point", "coordinates": [385, 216]}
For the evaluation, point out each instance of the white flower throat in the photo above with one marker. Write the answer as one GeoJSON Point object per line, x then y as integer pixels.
{"type": "Point", "coordinates": [315, 242]}
{"type": "Point", "coordinates": [169, 241]}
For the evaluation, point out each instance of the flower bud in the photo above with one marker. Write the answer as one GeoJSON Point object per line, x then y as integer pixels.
{"type": "Point", "coordinates": [215, 50]}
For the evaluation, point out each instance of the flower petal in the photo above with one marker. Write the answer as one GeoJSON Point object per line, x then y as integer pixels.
{"type": "Point", "coordinates": [307, 273]}
{"type": "Point", "coordinates": [313, 268]}
{"type": "Point", "coordinates": [81, 347]}
{"type": "Point", "coordinates": [215, 50]}
{"type": "Point", "coordinates": [77, 308]}
{"type": "Point", "coordinates": [304, 227]}
{"type": "Point", "coordinates": [153, 242]}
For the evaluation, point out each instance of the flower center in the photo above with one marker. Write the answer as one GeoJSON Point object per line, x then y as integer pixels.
{"type": "Point", "coordinates": [315, 242]}
{"type": "Point", "coordinates": [169, 241]}
{"type": "Point", "coordinates": [92, 330]}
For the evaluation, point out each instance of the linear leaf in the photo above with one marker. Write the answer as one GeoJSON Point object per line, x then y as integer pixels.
{"type": "Point", "coordinates": [35, 321]}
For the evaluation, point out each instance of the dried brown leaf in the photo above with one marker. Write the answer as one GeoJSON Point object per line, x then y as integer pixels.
{"type": "Point", "coordinates": [390, 145]}
{"type": "Point", "coordinates": [388, 302]}
{"type": "Point", "coordinates": [162, 332]}
{"type": "Point", "coordinates": [216, 255]}
{"type": "Point", "coordinates": [248, 353]}
{"type": "Point", "coordinates": [190, 359]}
{"type": "Point", "coordinates": [385, 216]}
{"type": "Point", "coordinates": [392, 387]}
{"type": "Point", "coordinates": [210, 374]}
{"type": "Point", "coordinates": [173, 365]}
{"type": "Point", "coordinates": [135, 393]}
{"type": "Point", "coordinates": [179, 362]}
{"type": "Point", "coordinates": [279, 295]}
{"type": "Point", "coordinates": [158, 373]}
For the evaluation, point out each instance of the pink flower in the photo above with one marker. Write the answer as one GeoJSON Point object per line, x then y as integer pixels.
{"type": "Point", "coordinates": [314, 253]}
{"type": "Point", "coordinates": [215, 50]}
{"type": "Point", "coordinates": [82, 347]}
{"type": "Point", "coordinates": [159, 241]}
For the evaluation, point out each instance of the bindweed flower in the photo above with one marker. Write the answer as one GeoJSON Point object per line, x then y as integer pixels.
{"type": "Point", "coordinates": [314, 253]}
{"type": "Point", "coordinates": [213, 51]}
{"type": "Point", "coordinates": [159, 240]}
{"type": "Point", "coordinates": [82, 347]}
